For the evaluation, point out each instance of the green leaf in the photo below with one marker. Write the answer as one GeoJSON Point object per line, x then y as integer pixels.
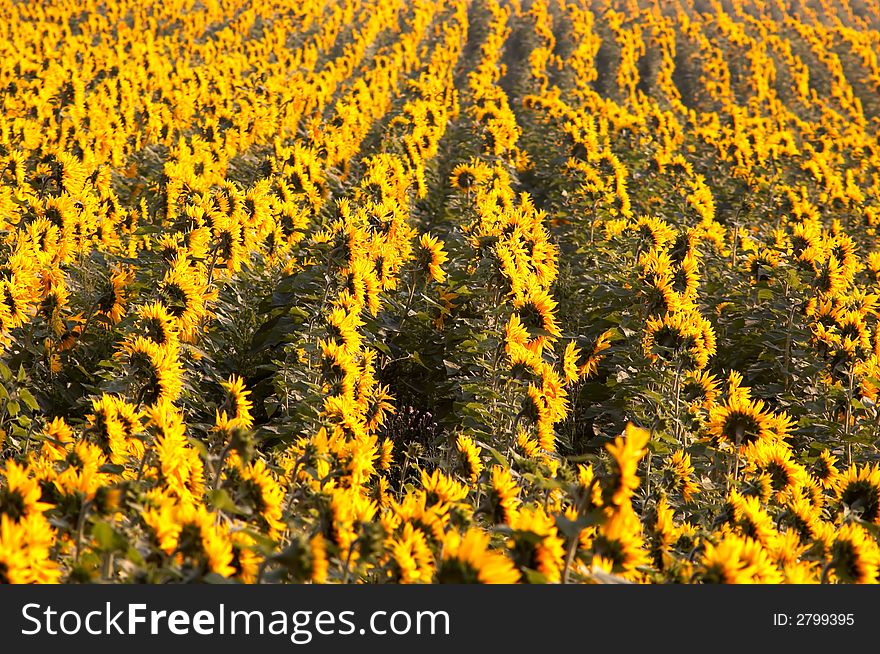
{"type": "Point", "coordinates": [107, 538]}
{"type": "Point", "coordinates": [534, 577]}
{"type": "Point", "coordinates": [26, 397]}
{"type": "Point", "coordinates": [199, 446]}
{"type": "Point", "coordinates": [214, 578]}
{"type": "Point", "coordinates": [221, 501]}
{"type": "Point", "coordinates": [573, 528]}
{"type": "Point", "coordinates": [500, 458]}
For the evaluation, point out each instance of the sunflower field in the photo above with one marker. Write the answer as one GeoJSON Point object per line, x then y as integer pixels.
{"type": "Point", "coordinates": [440, 291]}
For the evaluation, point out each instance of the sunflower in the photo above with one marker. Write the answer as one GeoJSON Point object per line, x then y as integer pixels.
{"type": "Point", "coordinates": [661, 297]}
{"type": "Point", "coordinates": [750, 518]}
{"type": "Point", "coordinates": [414, 507]}
{"type": "Point", "coordinates": [700, 389]}
{"type": "Point", "coordinates": [158, 326]}
{"type": "Point", "coordinates": [82, 476]}
{"type": "Point", "coordinates": [760, 264]}
{"type": "Point", "coordinates": [825, 471]}
{"type": "Point", "coordinates": [855, 557]}
{"type": "Point", "coordinates": [432, 256]}
{"type": "Point", "coordinates": [830, 277]}
{"type": "Point", "coordinates": [471, 454]}
{"type": "Point", "coordinates": [543, 409]}
{"type": "Point", "coordinates": [626, 452]}
{"type": "Point", "coordinates": [859, 490]}
{"type": "Point", "coordinates": [677, 475]}
{"type": "Point", "coordinates": [411, 557]}
{"type": "Point", "coordinates": [185, 296]}
{"type": "Point", "coordinates": [338, 369]}
{"type": "Point", "coordinates": [180, 467]}
{"type": "Point", "coordinates": [386, 457]}
{"type": "Point", "coordinates": [775, 459]}
{"type": "Point", "coordinates": [318, 559]}
{"type": "Point", "coordinates": [619, 542]}
{"type": "Point", "coordinates": [351, 510]}
{"type": "Point", "coordinates": [442, 489]}
{"type": "Point", "coordinates": [802, 518]}
{"type": "Point", "coordinates": [569, 362]}
{"type": "Point", "coordinates": [21, 495]}
{"type": "Point", "coordinates": [193, 531]}
{"type": "Point", "coordinates": [502, 496]}
{"type": "Point", "coordinates": [14, 564]}
{"type": "Point", "coordinates": [245, 559]}
{"type": "Point", "coordinates": [265, 493]}
{"type": "Point", "coordinates": [535, 309]}
{"type": "Point", "coordinates": [467, 559]}
{"type": "Point", "coordinates": [787, 548]}
{"type": "Point", "coordinates": [741, 421]}
{"type": "Point", "coordinates": [155, 372]}
{"type": "Point", "coordinates": [664, 533]}
{"type": "Point", "coordinates": [685, 334]}
{"type": "Point", "coordinates": [379, 404]}
{"type": "Point", "coordinates": [590, 366]}
{"type": "Point", "coordinates": [654, 231]}
{"type": "Point", "coordinates": [109, 433]}
{"type": "Point", "coordinates": [111, 304]}
{"type": "Point", "coordinates": [236, 408]}
{"type": "Point", "coordinates": [343, 329]}
{"type": "Point", "coordinates": [17, 304]}
{"type": "Point", "coordinates": [726, 562]}
{"type": "Point", "coordinates": [536, 543]}
{"type": "Point", "coordinates": [756, 555]}
{"type": "Point", "coordinates": [229, 244]}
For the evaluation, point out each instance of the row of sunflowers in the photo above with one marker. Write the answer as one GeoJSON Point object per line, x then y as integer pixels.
{"type": "Point", "coordinates": [440, 291]}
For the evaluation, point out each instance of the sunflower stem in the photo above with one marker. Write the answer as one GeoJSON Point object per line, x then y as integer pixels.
{"type": "Point", "coordinates": [347, 572]}
{"type": "Point", "coordinates": [679, 435]}
{"type": "Point", "coordinates": [219, 470]}
{"type": "Point", "coordinates": [80, 528]}
{"type": "Point", "coordinates": [848, 415]}
{"type": "Point", "coordinates": [143, 463]}
{"type": "Point", "coordinates": [408, 306]}
{"type": "Point", "coordinates": [107, 566]}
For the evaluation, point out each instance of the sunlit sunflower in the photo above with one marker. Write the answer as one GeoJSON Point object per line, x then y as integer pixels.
{"type": "Point", "coordinates": [626, 452]}
{"type": "Point", "coordinates": [431, 257]}
{"type": "Point", "coordinates": [442, 488]}
{"type": "Point", "coordinates": [726, 562]}
{"type": "Point", "coordinates": [855, 557]}
{"type": "Point", "coordinates": [535, 542]}
{"type": "Point", "coordinates": [112, 302]}
{"type": "Point", "coordinates": [740, 421]}
{"type": "Point", "coordinates": [502, 496]}
{"type": "Point", "coordinates": [618, 545]}
{"type": "Point", "coordinates": [20, 496]}
{"type": "Point", "coordinates": [678, 475]}
{"type": "Point", "coordinates": [236, 407]}
{"type": "Point", "coordinates": [14, 565]}
{"type": "Point", "coordinates": [470, 453]}
{"type": "Point", "coordinates": [684, 336]}
{"type": "Point", "coordinates": [412, 558]}
{"type": "Point", "coordinates": [155, 373]}
{"type": "Point", "coordinates": [776, 460]}
{"type": "Point", "coordinates": [859, 489]}
{"type": "Point", "coordinates": [158, 326]}
{"type": "Point", "coordinates": [468, 559]}
{"type": "Point", "coordinates": [825, 470]}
